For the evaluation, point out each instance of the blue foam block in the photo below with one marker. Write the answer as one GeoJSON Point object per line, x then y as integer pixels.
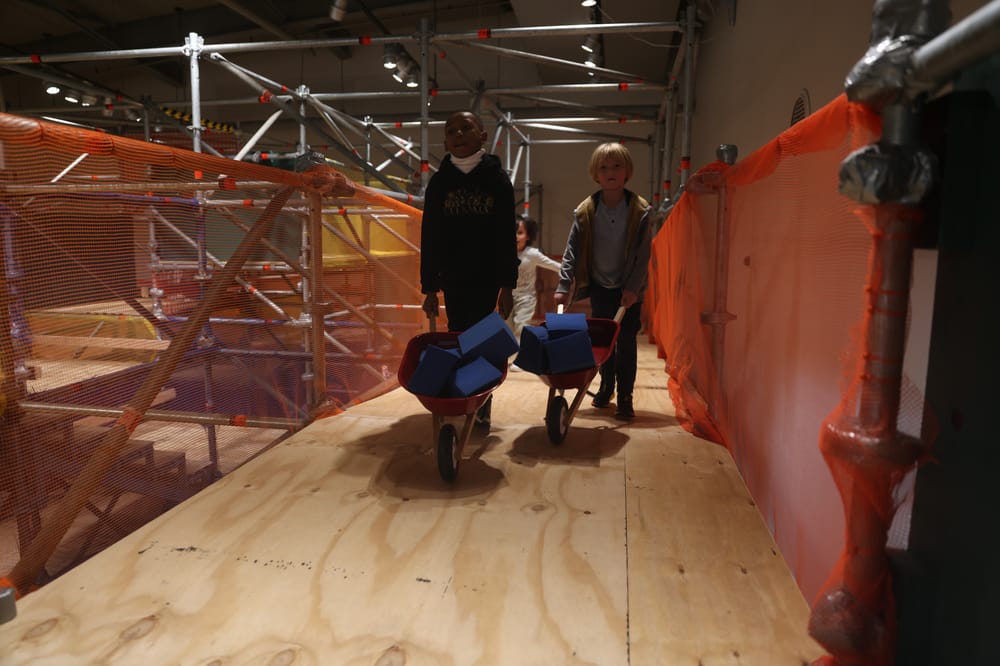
{"type": "Point", "coordinates": [490, 337]}
{"type": "Point", "coordinates": [473, 377]}
{"type": "Point", "coordinates": [570, 353]}
{"type": "Point", "coordinates": [564, 324]}
{"type": "Point", "coordinates": [433, 371]}
{"type": "Point", "coordinates": [532, 354]}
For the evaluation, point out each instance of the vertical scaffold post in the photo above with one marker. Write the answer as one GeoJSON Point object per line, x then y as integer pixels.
{"type": "Point", "coordinates": [527, 178]}
{"type": "Point", "coordinates": [714, 182]}
{"type": "Point", "coordinates": [669, 129]}
{"type": "Point", "coordinates": [303, 92]}
{"type": "Point", "coordinates": [193, 45]}
{"type": "Point", "coordinates": [853, 616]}
{"type": "Point", "coordinates": [318, 308]}
{"type": "Point", "coordinates": [425, 151]}
{"type": "Point", "coordinates": [690, 34]}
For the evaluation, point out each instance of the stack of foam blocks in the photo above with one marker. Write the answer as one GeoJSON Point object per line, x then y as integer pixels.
{"type": "Point", "coordinates": [474, 366]}
{"type": "Point", "coordinates": [561, 345]}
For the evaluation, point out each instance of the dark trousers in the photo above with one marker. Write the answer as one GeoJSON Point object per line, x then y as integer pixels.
{"type": "Point", "coordinates": [620, 366]}
{"type": "Point", "coordinates": [466, 305]}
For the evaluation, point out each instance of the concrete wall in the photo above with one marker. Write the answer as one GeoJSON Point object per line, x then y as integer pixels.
{"type": "Point", "coordinates": [752, 64]}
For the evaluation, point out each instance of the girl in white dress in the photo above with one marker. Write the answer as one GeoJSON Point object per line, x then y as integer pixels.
{"type": "Point", "coordinates": [525, 296]}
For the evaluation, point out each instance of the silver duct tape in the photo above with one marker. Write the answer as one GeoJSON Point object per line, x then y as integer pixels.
{"type": "Point", "coordinates": [922, 19]}
{"type": "Point", "coordinates": [899, 27]}
{"type": "Point", "coordinates": [878, 174]}
{"type": "Point", "coordinates": [8, 608]}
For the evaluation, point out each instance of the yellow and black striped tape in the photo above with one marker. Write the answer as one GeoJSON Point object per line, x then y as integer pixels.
{"type": "Point", "coordinates": [186, 117]}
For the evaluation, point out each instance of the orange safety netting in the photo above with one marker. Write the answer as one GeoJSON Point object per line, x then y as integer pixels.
{"type": "Point", "coordinates": [158, 313]}
{"type": "Point", "coordinates": [791, 336]}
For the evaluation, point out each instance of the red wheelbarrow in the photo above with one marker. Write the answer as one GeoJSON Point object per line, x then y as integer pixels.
{"type": "Point", "coordinates": [558, 412]}
{"type": "Point", "coordinates": [449, 442]}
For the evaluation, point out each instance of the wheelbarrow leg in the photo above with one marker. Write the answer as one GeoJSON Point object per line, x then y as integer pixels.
{"type": "Point", "coordinates": [450, 444]}
{"type": "Point", "coordinates": [577, 401]}
{"type": "Point", "coordinates": [558, 414]}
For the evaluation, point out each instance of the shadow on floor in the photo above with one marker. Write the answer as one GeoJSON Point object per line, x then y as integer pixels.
{"type": "Point", "coordinates": [408, 449]}
{"type": "Point", "coordinates": [582, 446]}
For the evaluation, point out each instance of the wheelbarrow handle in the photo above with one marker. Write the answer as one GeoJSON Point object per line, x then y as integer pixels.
{"type": "Point", "coordinates": [618, 315]}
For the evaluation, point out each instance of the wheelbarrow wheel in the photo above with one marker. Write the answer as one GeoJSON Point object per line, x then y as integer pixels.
{"type": "Point", "coordinates": [447, 452]}
{"type": "Point", "coordinates": [556, 421]}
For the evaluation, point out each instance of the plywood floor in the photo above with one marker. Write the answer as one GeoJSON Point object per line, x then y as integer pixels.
{"type": "Point", "coordinates": [629, 544]}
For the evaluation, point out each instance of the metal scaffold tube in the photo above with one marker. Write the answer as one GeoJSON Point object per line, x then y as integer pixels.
{"type": "Point", "coordinates": [192, 49]}
{"type": "Point", "coordinates": [285, 103]}
{"type": "Point", "coordinates": [302, 44]}
{"type": "Point", "coordinates": [165, 415]}
{"type": "Point", "coordinates": [968, 41]}
{"type": "Point", "coordinates": [425, 153]}
{"type": "Point", "coordinates": [689, 41]}
{"type": "Point", "coordinates": [860, 440]}
{"type": "Point", "coordinates": [318, 307]}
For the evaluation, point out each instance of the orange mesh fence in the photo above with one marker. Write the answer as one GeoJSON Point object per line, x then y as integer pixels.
{"type": "Point", "coordinates": [799, 265]}
{"type": "Point", "coordinates": [156, 325]}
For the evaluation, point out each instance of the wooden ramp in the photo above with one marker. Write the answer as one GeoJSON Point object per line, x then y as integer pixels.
{"type": "Point", "coordinates": [627, 544]}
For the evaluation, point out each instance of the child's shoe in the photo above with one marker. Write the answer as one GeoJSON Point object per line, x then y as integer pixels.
{"type": "Point", "coordinates": [603, 396]}
{"type": "Point", "coordinates": [602, 399]}
{"type": "Point", "coordinates": [625, 411]}
{"type": "Point", "coordinates": [483, 414]}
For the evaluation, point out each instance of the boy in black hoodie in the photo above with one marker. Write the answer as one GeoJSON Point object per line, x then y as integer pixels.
{"type": "Point", "coordinates": [468, 246]}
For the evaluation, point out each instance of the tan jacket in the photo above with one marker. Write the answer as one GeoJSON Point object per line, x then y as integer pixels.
{"type": "Point", "coordinates": [579, 247]}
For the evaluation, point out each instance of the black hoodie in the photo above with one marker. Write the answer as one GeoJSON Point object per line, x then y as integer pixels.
{"type": "Point", "coordinates": [468, 233]}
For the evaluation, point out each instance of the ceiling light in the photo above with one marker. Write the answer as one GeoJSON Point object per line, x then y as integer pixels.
{"type": "Point", "coordinates": [588, 3]}
{"type": "Point", "coordinates": [390, 56]}
{"type": "Point", "coordinates": [52, 89]}
{"type": "Point", "coordinates": [589, 44]}
{"type": "Point", "coordinates": [411, 80]}
{"type": "Point", "coordinates": [88, 100]}
{"type": "Point", "coordinates": [72, 96]}
{"type": "Point", "coordinates": [398, 75]}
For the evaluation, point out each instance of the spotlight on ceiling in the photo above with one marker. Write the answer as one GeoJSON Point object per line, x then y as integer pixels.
{"type": "Point", "coordinates": [72, 96]}
{"type": "Point", "coordinates": [52, 89]}
{"type": "Point", "coordinates": [595, 59]}
{"type": "Point", "coordinates": [390, 56]}
{"type": "Point", "coordinates": [411, 79]}
{"type": "Point", "coordinates": [398, 75]}
{"type": "Point", "coordinates": [88, 100]}
{"type": "Point", "coordinates": [588, 3]}
{"type": "Point", "coordinates": [338, 8]}
{"type": "Point", "coordinates": [590, 44]}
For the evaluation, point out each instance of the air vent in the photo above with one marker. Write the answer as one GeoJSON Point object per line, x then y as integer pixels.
{"type": "Point", "coordinates": [801, 108]}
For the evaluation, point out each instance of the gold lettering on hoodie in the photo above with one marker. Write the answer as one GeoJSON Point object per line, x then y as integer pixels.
{"type": "Point", "coordinates": [468, 202]}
